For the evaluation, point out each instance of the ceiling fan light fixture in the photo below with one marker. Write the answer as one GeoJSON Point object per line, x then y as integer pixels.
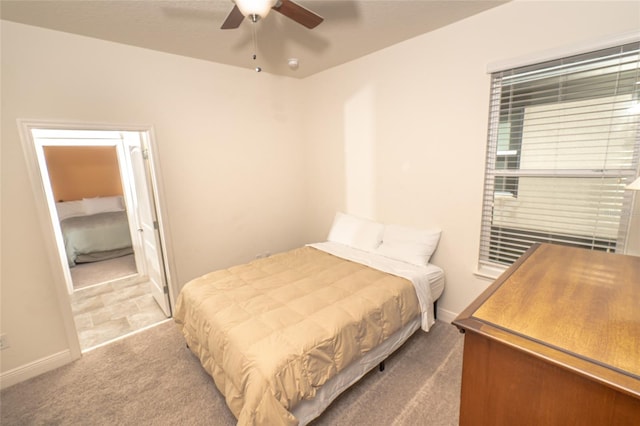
{"type": "Point", "coordinates": [255, 8]}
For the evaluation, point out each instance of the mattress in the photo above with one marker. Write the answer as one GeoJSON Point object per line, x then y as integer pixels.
{"type": "Point", "coordinates": [428, 280]}
{"type": "Point", "coordinates": [308, 410]}
{"type": "Point", "coordinates": [235, 291]}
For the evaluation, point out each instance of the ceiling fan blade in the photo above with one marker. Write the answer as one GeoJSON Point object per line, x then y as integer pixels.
{"type": "Point", "coordinates": [298, 13]}
{"type": "Point", "coordinates": [233, 20]}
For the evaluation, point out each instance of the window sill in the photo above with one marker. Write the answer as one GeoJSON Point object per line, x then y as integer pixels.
{"type": "Point", "coordinates": [489, 272]}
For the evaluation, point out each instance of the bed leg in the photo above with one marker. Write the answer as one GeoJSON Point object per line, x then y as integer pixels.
{"type": "Point", "coordinates": [381, 367]}
{"type": "Point", "coordinates": [435, 310]}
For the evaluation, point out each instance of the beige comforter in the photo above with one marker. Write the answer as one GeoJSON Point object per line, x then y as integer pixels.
{"type": "Point", "coordinates": [272, 331]}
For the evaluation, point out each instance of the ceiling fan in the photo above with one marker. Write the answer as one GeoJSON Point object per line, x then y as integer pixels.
{"type": "Point", "coordinates": [256, 9]}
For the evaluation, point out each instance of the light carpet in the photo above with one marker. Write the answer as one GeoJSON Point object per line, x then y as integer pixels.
{"type": "Point", "coordinates": [87, 274]}
{"type": "Point", "coordinates": [151, 378]}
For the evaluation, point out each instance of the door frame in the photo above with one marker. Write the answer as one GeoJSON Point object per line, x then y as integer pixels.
{"type": "Point", "coordinates": [44, 214]}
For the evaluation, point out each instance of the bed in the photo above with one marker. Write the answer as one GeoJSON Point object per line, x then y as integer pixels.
{"type": "Point", "coordinates": [94, 229]}
{"type": "Point", "coordinates": [283, 336]}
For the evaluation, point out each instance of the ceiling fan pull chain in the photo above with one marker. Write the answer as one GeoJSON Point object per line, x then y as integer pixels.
{"type": "Point", "coordinates": [254, 41]}
{"type": "Point", "coordinates": [255, 44]}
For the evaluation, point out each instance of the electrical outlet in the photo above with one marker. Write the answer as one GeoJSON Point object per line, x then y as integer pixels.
{"type": "Point", "coordinates": [4, 343]}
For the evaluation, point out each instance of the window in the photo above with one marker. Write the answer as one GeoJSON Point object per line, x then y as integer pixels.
{"type": "Point", "coordinates": [563, 142]}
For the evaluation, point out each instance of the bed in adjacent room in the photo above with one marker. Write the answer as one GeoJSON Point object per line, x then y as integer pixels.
{"type": "Point", "coordinates": [94, 229]}
{"type": "Point", "coordinates": [283, 336]}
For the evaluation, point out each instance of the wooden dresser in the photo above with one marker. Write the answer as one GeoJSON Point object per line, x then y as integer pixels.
{"type": "Point", "coordinates": [555, 340]}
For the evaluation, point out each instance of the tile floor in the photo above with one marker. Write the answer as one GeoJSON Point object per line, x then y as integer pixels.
{"type": "Point", "coordinates": [107, 311]}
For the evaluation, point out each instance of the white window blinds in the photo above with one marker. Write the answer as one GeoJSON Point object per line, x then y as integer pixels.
{"type": "Point", "coordinates": [563, 142]}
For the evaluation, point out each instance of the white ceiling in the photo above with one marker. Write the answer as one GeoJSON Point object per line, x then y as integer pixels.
{"type": "Point", "coordinates": [351, 29]}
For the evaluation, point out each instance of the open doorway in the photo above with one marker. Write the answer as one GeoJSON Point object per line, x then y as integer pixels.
{"type": "Point", "coordinates": [102, 205]}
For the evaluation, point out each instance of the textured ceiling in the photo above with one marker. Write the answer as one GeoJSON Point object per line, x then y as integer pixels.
{"type": "Point", "coordinates": [351, 29]}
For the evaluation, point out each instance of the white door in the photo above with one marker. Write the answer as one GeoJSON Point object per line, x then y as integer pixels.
{"type": "Point", "coordinates": [148, 228]}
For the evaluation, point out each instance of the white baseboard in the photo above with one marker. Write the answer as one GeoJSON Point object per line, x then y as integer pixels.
{"type": "Point", "coordinates": [35, 368]}
{"type": "Point", "coordinates": [54, 361]}
{"type": "Point", "coordinates": [446, 316]}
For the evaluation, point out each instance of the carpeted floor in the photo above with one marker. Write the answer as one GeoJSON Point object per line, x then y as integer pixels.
{"type": "Point", "coordinates": [151, 378]}
{"type": "Point", "coordinates": [88, 274]}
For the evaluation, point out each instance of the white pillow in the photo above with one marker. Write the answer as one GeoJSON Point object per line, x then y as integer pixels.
{"type": "Point", "coordinates": [409, 245]}
{"type": "Point", "coordinates": [103, 204]}
{"type": "Point", "coordinates": [70, 209]}
{"type": "Point", "coordinates": [353, 231]}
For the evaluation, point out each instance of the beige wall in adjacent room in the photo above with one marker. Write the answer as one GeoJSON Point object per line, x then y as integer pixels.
{"type": "Point", "coordinates": [400, 135]}
{"type": "Point", "coordinates": [78, 172]}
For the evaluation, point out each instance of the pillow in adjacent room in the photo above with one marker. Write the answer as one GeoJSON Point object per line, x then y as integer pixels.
{"type": "Point", "coordinates": [70, 209]}
{"type": "Point", "coordinates": [409, 245]}
{"type": "Point", "coordinates": [353, 231]}
{"type": "Point", "coordinates": [103, 204]}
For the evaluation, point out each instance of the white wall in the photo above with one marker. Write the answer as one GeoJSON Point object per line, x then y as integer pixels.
{"type": "Point", "coordinates": [228, 147]}
{"type": "Point", "coordinates": [422, 107]}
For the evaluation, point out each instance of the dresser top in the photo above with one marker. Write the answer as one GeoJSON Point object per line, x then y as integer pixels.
{"type": "Point", "coordinates": [584, 304]}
